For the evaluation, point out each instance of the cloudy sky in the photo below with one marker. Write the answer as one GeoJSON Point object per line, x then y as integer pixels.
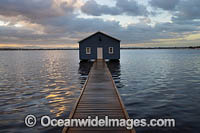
{"type": "Point", "coordinates": [62, 23]}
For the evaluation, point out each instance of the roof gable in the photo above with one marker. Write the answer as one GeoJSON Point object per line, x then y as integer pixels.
{"type": "Point", "coordinates": [101, 34]}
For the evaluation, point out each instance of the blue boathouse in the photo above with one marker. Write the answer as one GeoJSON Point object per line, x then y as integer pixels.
{"type": "Point", "coordinates": [99, 46]}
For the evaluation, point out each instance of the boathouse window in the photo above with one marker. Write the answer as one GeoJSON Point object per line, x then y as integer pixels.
{"type": "Point", "coordinates": [88, 50]}
{"type": "Point", "coordinates": [111, 51]}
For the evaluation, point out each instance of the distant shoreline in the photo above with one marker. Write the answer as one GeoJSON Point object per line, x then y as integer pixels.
{"type": "Point", "coordinates": [191, 47]}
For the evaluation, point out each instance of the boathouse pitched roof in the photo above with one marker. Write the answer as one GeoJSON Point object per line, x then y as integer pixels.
{"type": "Point", "coordinates": [101, 34]}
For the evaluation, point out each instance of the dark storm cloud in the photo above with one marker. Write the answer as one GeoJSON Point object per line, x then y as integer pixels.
{"type": "Point", "coordinates": [181, 9]}
{"type": "Point", "coordinates": [92, 8]}
{"type": "Point", "coordinates": [26, 8]}
{"type": "Point", "coordinates": [164, 4]}
{"type": "Point", "coordinates": [129, 7]}
{"type": "Point", "coordinates": [33, 9]}
{"type": "Point", "coordinates": [184, 14]}
{"type": "Point", "coordinates": [188, 10]}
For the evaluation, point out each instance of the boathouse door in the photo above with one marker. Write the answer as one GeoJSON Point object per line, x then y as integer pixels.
{"type": "Point", "coordinates": [99, 53]}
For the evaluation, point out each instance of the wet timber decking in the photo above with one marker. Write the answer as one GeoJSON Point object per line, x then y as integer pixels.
{"type": "Point", "coordinates": [99, 97]}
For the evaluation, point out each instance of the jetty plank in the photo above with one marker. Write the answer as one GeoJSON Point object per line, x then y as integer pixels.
{"type": "Point", "coordinates": [101, 98]}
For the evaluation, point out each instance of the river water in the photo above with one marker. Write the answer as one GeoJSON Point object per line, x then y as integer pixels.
{"type": "Point", "coordinates": [152, 84]}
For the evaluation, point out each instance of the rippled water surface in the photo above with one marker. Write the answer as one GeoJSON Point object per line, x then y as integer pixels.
{"type": "Point", "coordinates": [152, 83]}
{"type": "Point", "coordinates": [39, 83]}
{"type": "Point", "coordinates": [161, 84]}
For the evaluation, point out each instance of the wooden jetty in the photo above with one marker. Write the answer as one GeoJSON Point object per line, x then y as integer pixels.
{"type": "Point", "coordinates": [99, 97]}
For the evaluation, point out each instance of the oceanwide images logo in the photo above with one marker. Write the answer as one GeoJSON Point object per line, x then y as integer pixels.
{"type": "Point", "coordinates": [46, 121]}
